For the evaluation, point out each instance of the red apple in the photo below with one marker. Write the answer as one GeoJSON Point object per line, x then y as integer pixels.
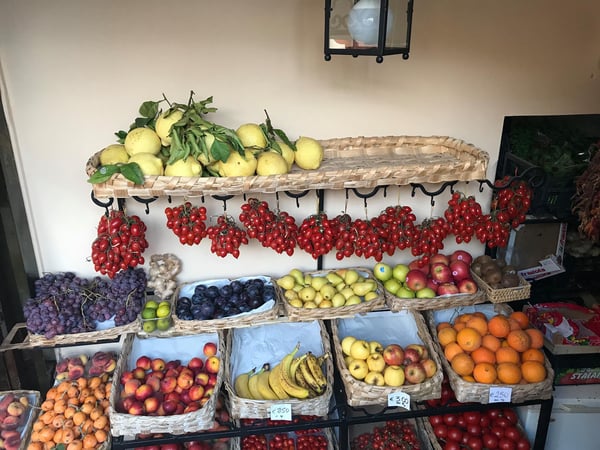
{"type": "Point", "coordinates": [193, 406]}
{"type": "Point", "coordinates": [212, 380]}
{"type": "Point", "coordinates": [460, 270]}
{"type": "Point", "coordinates": [440, 272]}
{"type": "Point", "coordinates": [447, 289]}
{"type": "Point", "coordinates": [195, 363]}
{"type": "Point", "coordinates": [429, 366]}
{"type": "Point", "coordinates": [196, 392]}
{"type": "Point", "coordinates": [184, 396]}
{"type": "Point", "coordinates": [158, 364]}
{"type": "Point", "coordinates": [144, 362]}
{"type": "Point", "coordinates": [461, 255]}
{"type": "Point", "coordinates": [439, 258]}
{"type": "Point", "coordinates": [416, 280]}
{"type": "Point", "coordinates": [153, 382]}
{"type": "Point", "coordinates": [127, 375]}
{"type": "Point", "coordinates": [433, 285]}
{"type": "Point", "coordinates": [172, 372]}
{"type": "Point", "coordinates": [201, 379]}
{"type": "Point", "coordinates": [411, 355]}
{"type": "Point", "coordinates": [143, 392]}
{"type": "Point", "coordinates": [156, 373]}
{"type": "Point", "coordinates": [210, 349]}
{"type": "Point", "coordinates": [421, 349]}
{"type": "Point", "coordinates": [208, 393]}
{"type": "Point", "coordinates": [139, 373]}
{"type": "Point", "coordinates": [168, 384]}
{"type": "Point", "coordinates": [170, 406]}
{"type": "Point", "coordinates": [467, 286]}
{"type": "Point", "coordinates": [393, 355]}
{"type": "Point", "coordinates": [151, 405]}
{"type": "Point", "coordinates": [173, 364]}
{"type": "Point", "coordinates": [136, 408]}
{"type": "Point", "coordinates": [419, 265]}
{"type": "Point", "coordinates": [172, 396]}
{"type": "Point", "coordinates": [414, 373]}
{"type": "Point", "coordinates": [212, 364]}
{"type": "Point", "coordinates": [127, 402]}
{"type": "Point", "coordinates": [185, 380]}
{"type": "Point", "coordinates": [131, 386]}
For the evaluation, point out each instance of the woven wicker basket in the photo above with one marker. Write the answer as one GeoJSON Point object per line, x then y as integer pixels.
{"type": "Point", "coordinates": [263, 314]}
{"type": "Point", "coordinates": [440, 302]}
{"type": "Point", "coordinates": [478, 392]}
{"type": "Point", "coordinates": [202, 419]}
{"type": "Point", "coordinates": [38, 340]}
{"type": "Point", "coordinates": [520, 292]}
{"type": "Point", "coordinates": [351, 162]}
{"type": "Point", "coordinates": [242, 408]}
{"type": "Point", "coordinates": [299, 314]}
{"type": "Point", "coordinates": [236, 443]}
{"type": "Point", "coordinates": [409, 327]}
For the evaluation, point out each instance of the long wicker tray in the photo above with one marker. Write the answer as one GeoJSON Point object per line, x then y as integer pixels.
{"type": "Point", "coordinates": [478, 392]}
{"type": "Point", "coordinates": [37, 340]}
{"type": "Point", "coordinates": [240, 407]}
{"type": "Point", "coordinates": [359, 393]}
{"type": "Point", "coordinates": [236, 443]}
{"type": "Point", "coordinates": [122, 424]}
{"type": "Point", "coordinates": [351, 162]}
{"type": "Point", "coordinates": [301, 314]}
{"type": "Point", "coordinates": [440, 302]}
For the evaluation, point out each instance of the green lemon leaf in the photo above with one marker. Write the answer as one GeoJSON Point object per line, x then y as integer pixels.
{"type": "Point", "coordinates": [149, 109]}
{"type": "Point", "coordinates": [220, 150]}
{"type": "Point", "coordinates": [103, 173]}
{"type": "Point", "coordinates": [133, 173]}
{"type": "Point", "coordinates": [121, 135]}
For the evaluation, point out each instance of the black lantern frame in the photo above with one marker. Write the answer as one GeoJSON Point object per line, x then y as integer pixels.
{"type": "Point", "coordinates": [380, 50]}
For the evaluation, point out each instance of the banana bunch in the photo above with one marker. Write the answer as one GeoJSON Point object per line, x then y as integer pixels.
{"type": "Point", "coordinates": [294, 376]}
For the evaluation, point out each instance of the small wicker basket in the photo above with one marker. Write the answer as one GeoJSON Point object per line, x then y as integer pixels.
{"type": "Point", "coordinates": [440, 302]}
{"type": "Point", "coordinates": [503, 295]}
{"type": "Point", "coordinates": [299, 314]}
{"type": "Point", "coordinates": [478, 392]}
{"type": "Point", "coordinates": [122, 424]}
{"type": "Point", "coordinates": [263, 314]}
{"type": "Point", "coordinates": [244, 408]}
{"type": "Point", "coordinates": [38, 340]}
{"type": "Point", "coordinates": [359, 393]}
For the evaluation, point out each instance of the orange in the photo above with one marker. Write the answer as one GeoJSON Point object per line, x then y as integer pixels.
{"type": "Point", "coordinates": [478, 323]}
{"type": "Point", "coordinates": [491, 342]}
{"type": "Point", "coordinates": [442, 325]}
{"type": "Point", "coordinates": [479, 314]}
{"type": "Point", "coordinates": [484, 372]}
{"type": "Point", "coordinates": [482, 355]}
{"type": "Point", "coordinates": [468, 378]}
{"type": "Point", "coordinates": [508, 373]}
{"type": "Point", "coordinates": [514, 324]}
{"type": "Point", "coordinates": [498, 326]}
{"type": "Point", "coordinates": [533, 371]}
{"type": "Point", "coordinates": [533, 354]}
{"type": "Point", "coordinates": [451, 350]}
{"type": "Point", "coordinates": [459, 326]}
{"type": "Point", "coordinates": [520, 317]}
{"type": "Point", "coordinates": [507, 354]}
{"type": "Point", "coordinates": [464, 318]}
{"type": "Point", "coordinates": [519, 340]}
{"type": "Point", "coordinates": [446, 335]}
{"type": "Point", "coordinates": [462, 364]}
{"type": "Point", "coordinates": [469, 339]}
{"type": "Point", "coordinates": [536, 337]}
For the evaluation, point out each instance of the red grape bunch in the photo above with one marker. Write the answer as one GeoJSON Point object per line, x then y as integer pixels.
{"type": "Point", "coordinates": [188, 222]}
{"type": "Point", "coordinates": [227, 237]}
{"type": "Point", "coordinates": [120, 243]}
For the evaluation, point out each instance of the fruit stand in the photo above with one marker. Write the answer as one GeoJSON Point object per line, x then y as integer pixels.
{"type": "Point", "coordinates": [334, 392]}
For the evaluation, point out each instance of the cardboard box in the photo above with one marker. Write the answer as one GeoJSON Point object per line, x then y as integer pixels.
{"type": "Point", "coordinates": [536, 250]}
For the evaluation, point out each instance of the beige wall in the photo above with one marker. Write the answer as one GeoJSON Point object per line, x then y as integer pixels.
{"type": "Point", "coordinates": [73, 72]}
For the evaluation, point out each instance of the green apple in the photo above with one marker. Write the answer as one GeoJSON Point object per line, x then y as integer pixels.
{"type": "Point", "coordinates": [425, 293]}
{"type": "Point", "coordinates": [346, 343]}
{"type": "Point", "coordinates": [392, 285]}
{"type": "Point", "coordinates": [382, 271]}
{"type": "Point", "coordinates": [399, 272]}
{"type": "Point", "coordinates": [404, 292]}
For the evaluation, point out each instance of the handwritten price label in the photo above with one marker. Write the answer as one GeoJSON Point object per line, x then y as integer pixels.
{"type": "Point", "coordinates": [281, 411]}
{"type": "Point", "coordinates": [401, 399]}
{"type": "Point", "coordinates": [500, 395]}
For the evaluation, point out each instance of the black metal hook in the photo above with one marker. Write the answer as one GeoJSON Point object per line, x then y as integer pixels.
{"type": "Point", "coordinates": [367, 195]}
{"type": "Point", "coordinates": [296, 196]}
{"type": "Point", "coordinates": [145, 201]}
{"type": "Point", "coordinates": [104, 205]}
{"type": "Point", "coordinates": [535, 176]}
{"type": "Point", "coordinates": [433, 194]}
{"type": "Point", "coordinates": [224, 199]}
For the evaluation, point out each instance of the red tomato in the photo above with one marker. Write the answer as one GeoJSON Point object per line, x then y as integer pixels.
{"type": "Point", "coordinates": [490, 441]}
{"type": "Point", "coordinates": [511, 415]}
{"type": "Point", "coordinates": [474, 429]}
{"type": "Point", "coordinates": [505, 443]}
{"type": "Point", "coordinates": [512, 433]}
{"type": "Point", "coordinates": [436, 420]}
{"type": "Point", "coordinates": [475, 443]}
{"type": "Point", "coordinates": [440, 431]}
{"type": "Point", "coordinates": [523, 444]}
{"type": "Point", "coordinates": [472, 417]}
{"type": "Point", "coordinates": [451, 445]}
{"type": "Point", "coordinates": [450, 419]}
{"type": "Point", "coordinates": [455, 434]}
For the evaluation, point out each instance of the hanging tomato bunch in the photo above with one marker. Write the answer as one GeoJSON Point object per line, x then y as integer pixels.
{"type": "Point", "coordinates": [188, 222]}
{"type": "Point", "coordinates": [120, 242]}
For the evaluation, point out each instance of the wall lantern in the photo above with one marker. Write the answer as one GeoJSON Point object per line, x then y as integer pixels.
{"type": "Point", "coordinates": [368, 27]}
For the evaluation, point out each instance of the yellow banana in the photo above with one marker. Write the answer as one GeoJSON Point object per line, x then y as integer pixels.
{"type": "Point", "coordinates": [296, 363]}
{"type": "Point", "coordinates": [321, 359]}
{"type": "Point", "coordinates": [306, 374]}
{"type": "Point", "coordinates": [285, 377]}
{"type": "Point", "coordinates": [241, 385]}
{"type": "Point", "coordinates": [302, 382]}
{"type": "Point", "coordinates": [253, 385]}
{"type": "Point", "coordinates": [264, 389]}
{"type": "Point", "coordinates": [317, 372]}
{"type": "Point", "coordinates": [275, 385]}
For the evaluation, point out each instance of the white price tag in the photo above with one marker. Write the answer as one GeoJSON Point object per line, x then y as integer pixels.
{"type": "Point", "coordinates": [500, 395]}
{"type": "Point", "coordinates": [281, 411]}
{"type": "Point", "coordinates": [401, 399]}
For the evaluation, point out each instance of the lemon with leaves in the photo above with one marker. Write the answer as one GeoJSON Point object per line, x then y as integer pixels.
{"type": "Point", "coordinates": [142, 140]}
{"type": "Point", "coordinates": [251, 135]}
{"type": "Point", "coordinates": [238, 165]}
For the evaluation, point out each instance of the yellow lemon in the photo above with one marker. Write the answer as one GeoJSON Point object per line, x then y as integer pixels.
{"type": "Point", "coordinates": [271, 163]}
{"type": "Point", "coordinates": [309, 153]}
{"type": "Point", "coordinates": [164, 123]}
{"type": "Point", "coordinates": [142, 140]}
{"type": "Point", "coordinates": [149, 164]}
{"type": "Point", "coordinates": [238, 165]}
{"type": "Point", "coordinates": [114, 154]}
{"type": "Point", "coordinates": [251, 135]}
